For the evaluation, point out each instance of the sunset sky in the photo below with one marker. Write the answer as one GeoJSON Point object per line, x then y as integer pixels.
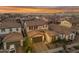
{"type": "Point", "coordinates": [38, 9]}
{"type": "Point", "coordinates": [6, 9]}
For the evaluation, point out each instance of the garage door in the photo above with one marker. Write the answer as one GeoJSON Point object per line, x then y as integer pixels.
{"type": "Point", "coordinates": [37, 39]}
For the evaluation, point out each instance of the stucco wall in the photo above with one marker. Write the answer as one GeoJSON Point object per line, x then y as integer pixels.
{"type": "Point", "coordinates": [66, 23]}
{"type": "Point", "coordinates": [43, 27]}
{"type": "Point", "coordinates": [8, 31]}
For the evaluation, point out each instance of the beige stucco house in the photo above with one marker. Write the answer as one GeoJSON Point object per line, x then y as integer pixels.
{"type": "Point", "coordinates": [66, 23]}
{"type": "Point", "coordinates": [37, 30]}
{"type": "Point", "coordinates": [35, 25]}
{"type": "Point", "coordinates": [36, 36]}
{"type": "Point", "coordinates": [42, 36]}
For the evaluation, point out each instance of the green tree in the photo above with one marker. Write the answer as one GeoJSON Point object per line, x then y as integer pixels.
{"type": "Point", "coordinates": [27, 45]}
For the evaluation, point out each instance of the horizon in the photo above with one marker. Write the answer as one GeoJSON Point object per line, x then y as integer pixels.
{"type": "Point", "coordinates": [38, 9]}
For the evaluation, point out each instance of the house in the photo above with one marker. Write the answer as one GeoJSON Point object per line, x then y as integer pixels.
{"type": "Point", "coordinates": [76, 28]}
{"type": "Point", "coordinates": [73, 21]}
{"type": "Point", "coordinates": [9, 26]}
{"type": "Point", "coordinates": [36, 36]}
{"type": "Point", "coordinates": [35, 25]}
{"type": "Point", "coordinates": [15, 39]}
{"type": "Point", "coordinates": [65, 22]}
{"type": "Point", "coordinates": [63, 32]}
{"type": "Point", "coordinates": [45, 36]}
{"type": "Point", "coordinates": [49, 36]}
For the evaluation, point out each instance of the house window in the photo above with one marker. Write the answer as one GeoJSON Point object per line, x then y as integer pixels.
{"type": "Point", "coordinates": [72, 36]}
{"type": "Point", "coordinates": [30, 27]}
{"type": "Point", "coordinates": [2, 30]}
{"type": "Point", "coordinates": [16, 29]}
{"type": "Point", "coordinates": [10, 30]}
{"type": "Point", "coordinates": [35, 27]}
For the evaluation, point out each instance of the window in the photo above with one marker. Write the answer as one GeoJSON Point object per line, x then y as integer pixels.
{"type": "Point", "coordinates": [35, 27]}
{"type": "Point", "coordinates": [10, 30]}
{"type": "Point", "coordinates": [30, 27]}
{"type": "Point", "coordinates": [2, 30]}
{"type": "Point", "coordinates": [16, 29]}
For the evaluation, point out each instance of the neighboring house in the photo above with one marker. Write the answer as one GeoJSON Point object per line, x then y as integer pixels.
{"type": "Point", "coordinates": [35, 25]}
{"type": "Point", "coordinates": [68, 21]}
{"type": "Point", "coordinates": [36, 36]}
{"type": "Point", "coordinates": [63, 32]}
{"type": "Point", "coordinates": [71, 23]}
{"type": "Point", "coordinates": [15, 39]}
{"type": "Point", "coordinates": [42, 36]}
{"type": "Point", "coordinates": [76, 28]}
{"type": "Point", "coordinates": [65, 23]}
{"type": "Point", "coordinates": [49, 36]}
{"type": "Point", "coordinates": [9, 26]}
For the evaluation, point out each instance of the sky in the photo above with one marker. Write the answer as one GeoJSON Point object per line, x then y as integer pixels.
{"type": "Point", "coordinates": [38, 9]}
{"type": "Point", "coordinates": [20, 9]}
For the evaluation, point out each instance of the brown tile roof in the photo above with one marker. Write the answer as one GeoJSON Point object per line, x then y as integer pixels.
{"type": "Point", "coordinates": [9, 24]}
{"type": "Point", "coordinates": [51, 33]}
{"type": "Point", "coordinates": [74, 21]}
{"type": "Point", "coordinates": [71, 20]}
{"type": "Point", "coordinates": [32, 33]}
{"type": "Point", "coordinates": [76, 27]}
{"type": "Point", "coordinates": [35, 23]}
{"type": "Point", "coordinates": [12, 37]}
{"type": "Point", "coordinates": [61, 29]}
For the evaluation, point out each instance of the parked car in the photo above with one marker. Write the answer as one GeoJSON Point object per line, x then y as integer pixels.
{"type": "Point", "coordinates": [12, 49]}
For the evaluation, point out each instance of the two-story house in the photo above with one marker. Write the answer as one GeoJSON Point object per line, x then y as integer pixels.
{"type": "Point", "coordinates": [11, 30]}
{"type": "Point", "coordinates": [35, 29]}
{"type": "Point", "coordinates": [65, 22]}
{"type": "Point", "coordinates": [35, 25]}
{"type": "Point", "coordinates": [9, 26]}
{"type": "Point", "coordinates": [63, 32]}
{"type": "Point", "coordinates": [70, 23]}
